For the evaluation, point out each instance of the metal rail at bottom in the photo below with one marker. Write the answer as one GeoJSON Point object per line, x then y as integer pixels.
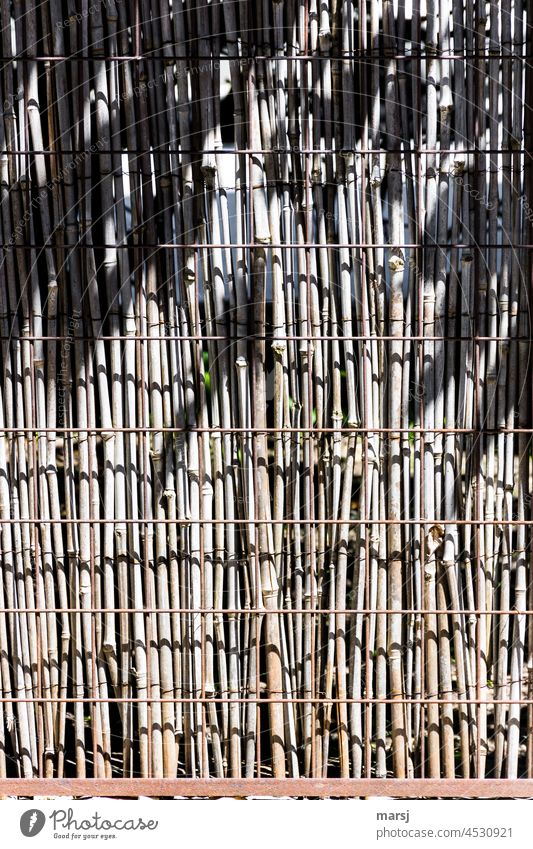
{"type": "Point", "coordinates": [416, 788]}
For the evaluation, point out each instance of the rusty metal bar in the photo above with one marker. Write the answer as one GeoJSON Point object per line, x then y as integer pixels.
{"type": "Point", "coordinates": [303, 57]}
{"type": "Point", "coordinates": [251, 337]}
{"type": "Point", "coordinates": [415, 788]}
{"type": "Point", "coordinates": [260, 430]}
{"type": "Point", "coordinates": [264, 700]}
{"type": "Point", "coordinates": [234, 151]}
{"type": "Point", "coordinates": [259, 611]}
{"type": "Point", "coordinates": [242, 521]}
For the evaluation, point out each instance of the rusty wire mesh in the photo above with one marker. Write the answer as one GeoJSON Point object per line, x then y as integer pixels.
{"type": "Point", "coordinates": [266, 411]}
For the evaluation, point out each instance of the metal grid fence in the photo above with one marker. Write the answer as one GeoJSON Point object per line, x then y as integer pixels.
{"type": "Point", "coordinates": [266, 408]}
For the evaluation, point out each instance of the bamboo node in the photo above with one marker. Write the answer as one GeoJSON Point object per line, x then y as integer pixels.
{"type": "Point", "coordinates": [396, 264]}
{"type": "Point", "coordinates": [458, 167]}
{"type": "Point", "coordinates": [395, 656]}
{"type": "Point", "coordinates": [269, 594]}
{"type": "Point", "coordinates": [209, 172]}
{"type": "Point", "coordinates": [324, 40]}
{"type": "Point", "coordinates": [279, 347]}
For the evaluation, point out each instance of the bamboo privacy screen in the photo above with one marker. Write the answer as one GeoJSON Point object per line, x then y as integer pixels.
{"type": "Point", "coordinates": [265, 466]}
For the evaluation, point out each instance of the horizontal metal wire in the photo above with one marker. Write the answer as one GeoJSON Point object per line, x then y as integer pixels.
{"type": "Point", "coordinates": [262, 611]}
{"type": "Point", "coordinates": [67, 246]}
{"type": "Point", "coordinates": [220, 431]}
{"type": "Point", "coordinates": [242, 521]}
{"type": "Point", "coordinates": [221, 700]}
{"type": "Point", "coordinates": [277, 149]}
{"type": "Point", "coordinates": [370, 53]}
{"type": "Point", "coordinates": [256, 337]}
